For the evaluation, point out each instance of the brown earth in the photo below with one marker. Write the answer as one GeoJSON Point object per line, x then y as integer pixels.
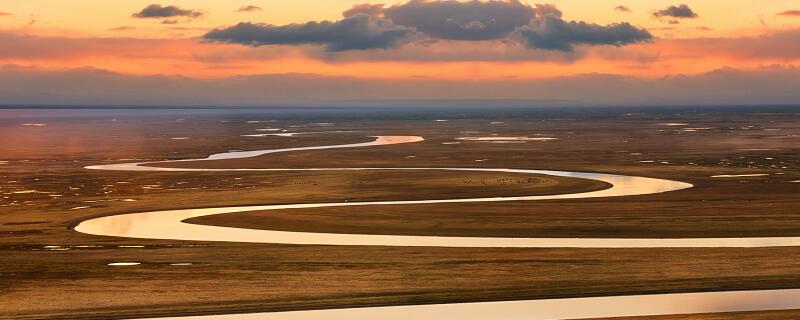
{"type": "Point", "coordinates": [74, 280]}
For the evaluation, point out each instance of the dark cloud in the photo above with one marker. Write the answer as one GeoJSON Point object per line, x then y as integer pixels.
{"type": "Point", "coordinates": [454, 51]}
{"type": "Point", "coordinates": [249, 9]}
{"type": "Point", "coordinates": [790, 13]}
{"type": "Point", "coordinates": [5, 14]}
{"type": "Point", "coordinates": [370, 26]}
{"type": "Point", "coordinates": [553, 33]}
{"type": "Point", "coordinates": [456, 20]}
{"type": "Point", "coordinates": [622, 8]}
{"type": "Point", "coordinates": [159, 11]}
{"type": "Point", "coordinates": [372, 10]}
{"type": "Point", "coordinates": [359, 32]}
{"type": "Point", "coordinates": [679, 12]}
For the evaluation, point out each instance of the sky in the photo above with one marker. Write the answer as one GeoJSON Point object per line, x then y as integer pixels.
{"type": "Point", "coordinates": [272, 52]}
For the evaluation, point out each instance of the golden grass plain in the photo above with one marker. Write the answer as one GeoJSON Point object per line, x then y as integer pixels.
{"type": "Point", "coordinates": [50, 271]}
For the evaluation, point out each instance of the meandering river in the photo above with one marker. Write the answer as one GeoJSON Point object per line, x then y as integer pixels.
{"type": "Point", "coordinates": [168, 224]}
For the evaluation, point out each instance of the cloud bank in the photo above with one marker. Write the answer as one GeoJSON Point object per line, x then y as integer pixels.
{"type": "Point", "coordinates": [455, 20]}
{"type": "Point", "coordinates": [25, 86]}
{"type": "Point", "coordinates": [375, 26]}
{"type": "Point", "coordinates": [554, 33]}
{"type": "Point", "coordinates": [358, 32]}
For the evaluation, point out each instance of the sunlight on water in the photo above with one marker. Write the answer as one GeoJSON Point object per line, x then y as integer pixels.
{"type": "Point", "coordinates": [169, 225]}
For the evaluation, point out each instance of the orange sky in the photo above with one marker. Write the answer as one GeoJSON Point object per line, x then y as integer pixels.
{"type": "Point", "coordinates": [60, 35]}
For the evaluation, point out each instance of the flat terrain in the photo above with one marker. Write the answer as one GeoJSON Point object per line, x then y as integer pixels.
{"type": "Point", "coordinates": [790, 314]}
{"type": "Point", "coordinates": [50, 271]}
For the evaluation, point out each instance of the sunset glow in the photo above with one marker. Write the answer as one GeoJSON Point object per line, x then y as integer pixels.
{"type": "Point", "coordinates": [193, 39]}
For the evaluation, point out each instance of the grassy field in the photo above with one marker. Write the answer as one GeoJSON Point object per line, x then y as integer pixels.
{"type": "Point", "coordinates": [50, 271]}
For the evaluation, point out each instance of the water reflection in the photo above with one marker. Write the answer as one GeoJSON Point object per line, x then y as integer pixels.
{"type": "Point", "coordinates": [169, 224]}
{"type": "Point", "coordinates": [574, 308]}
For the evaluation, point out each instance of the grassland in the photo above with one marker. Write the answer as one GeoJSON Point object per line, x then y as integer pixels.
{"type": "Point", "coordinates": [50, 271]}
